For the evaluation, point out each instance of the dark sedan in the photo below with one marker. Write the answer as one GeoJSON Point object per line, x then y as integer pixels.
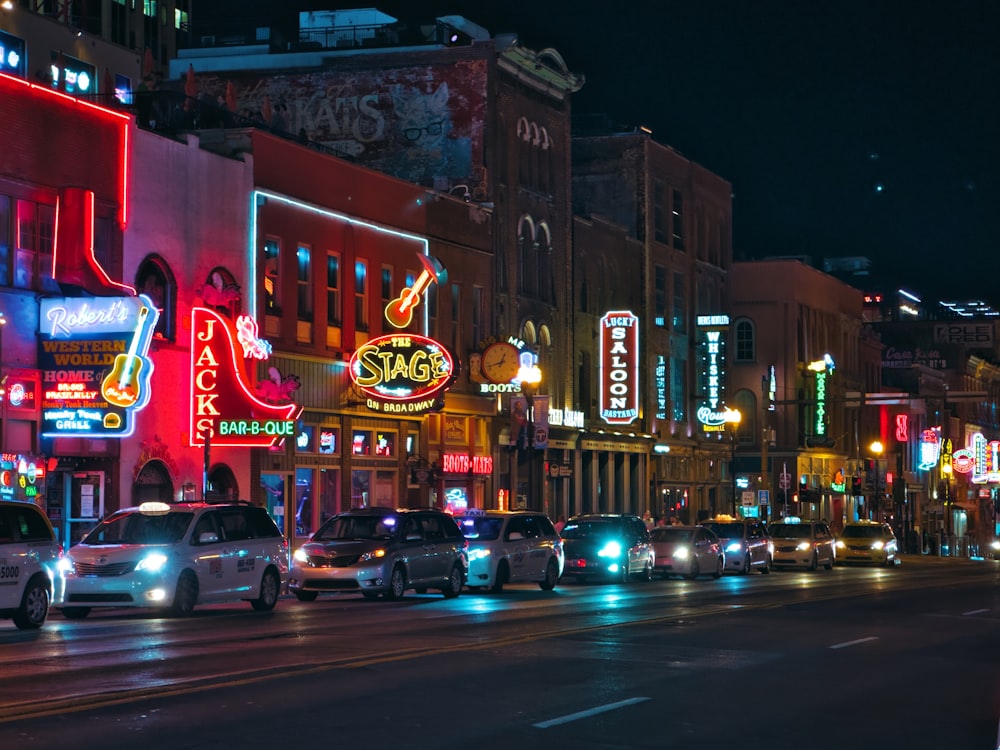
{"type": "Point", "coordinates": [610, 546]}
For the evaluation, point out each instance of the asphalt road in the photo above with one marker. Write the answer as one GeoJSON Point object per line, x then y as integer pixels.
{"type": "Point", "coordinates": [853, 658]}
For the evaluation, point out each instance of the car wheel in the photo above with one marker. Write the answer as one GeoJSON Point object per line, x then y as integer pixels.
{"type": "Point", "coordinates": [186, 595]}
{"type": "Point", "coordinates": [695, 571]}
{"type": "Point", "coordinates": [397, 584]}
{"type": "Point", "coordinates": [455, 582]}
{"type": "Point", "coordinates": [551, 576]}
{"type": "Point", "coordinates": [746, 565]}
{"type": "Point", "coordinates": [814, 563]}
{"type": "Point", "coordinates": [719, 567]}
{"type": "Point", "coordinates": [270, 584]}
{"type": "Point", "coordinates": [75, 613]}
{"type": "Point", "coordinates": [766, 568]}
{"type": "Point", "coordinates": [34, 605]}
{"type": "Point", "coordinates": [502, 576]}
{"type": "Point", "coordinates": [306, 596]}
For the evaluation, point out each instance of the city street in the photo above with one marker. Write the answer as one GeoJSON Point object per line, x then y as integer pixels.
{"type": "Point", "coordinates": [853, 657]}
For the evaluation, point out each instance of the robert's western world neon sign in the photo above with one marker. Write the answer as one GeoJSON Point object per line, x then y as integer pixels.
{"type": "Point", "coordinates": [403, 373]}
{"type": "Point", "coordinates": [93, 354]}
{"type": "Point", "coordinates": [223, 406]}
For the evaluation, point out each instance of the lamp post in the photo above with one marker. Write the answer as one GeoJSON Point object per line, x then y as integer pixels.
{"type": "Point", "coordinates": [876, 448]}
{"type": "Point", "coordinates": [530, 376]}
{"type": "Point", "coordinates": [733, 418]}
{"type": "Point", "coordinates": [946, 469]}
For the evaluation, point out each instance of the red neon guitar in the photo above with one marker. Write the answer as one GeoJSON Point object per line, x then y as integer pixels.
{"type": "Point", "coordinates": [399, 312]}
{"type": "Point", "coordinates": [121, 386]}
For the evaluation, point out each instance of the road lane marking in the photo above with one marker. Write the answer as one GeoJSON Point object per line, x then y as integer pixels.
{"type": "Point", "coordinates": [975, 612]}
{"type": "Point", "coordinates": [855, 642]}
{"type": "Point", "coordinates": [589, 712]}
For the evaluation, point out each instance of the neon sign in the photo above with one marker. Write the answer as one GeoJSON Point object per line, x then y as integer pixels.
{"type": "Point", "coordinates": [22, 477]}
{"type": "Point", "coordinates": [94, 363]}
{"type": "Point", "coordinates": [462, 463]}
{"type": "Point", "coordinates": [823, 368]}
{"type": "Point", "coordinates": [902, 428]}
{"type": "Point", "coordinates": [619, 347]}
{"type": "Point", "coordinates": [223, 406]}
{"type": "Point", "coordinates": [401, 373]}
{"type": "Point", "coordinates": [712, 379]}
{"type": "Point", "coordinates": [930, 448]}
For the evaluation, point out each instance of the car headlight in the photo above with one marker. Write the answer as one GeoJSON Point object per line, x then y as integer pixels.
{"type": "Point", "coordinates": [995, 544]}
{"type": "Point", "coordinates": [300, 555]}
{"type": "Point", "coordinates": [65, 565]}
{"type": "Point", "coordinates": [803, 546]}
{"type": "Point", "coordinates": [682, 553]}
{"type": "Point", "coordinates": [841, 545]}
{"type": "Point", "coordinates": [611, 549]}
{"type": "Point", "coordinates": [734, 547]}
{"type": "Point", "coordinates": [878, 545]}
{"type": "Point", "coordinates": [478, 553]}
{"type": "Point", "coordinates": [152, 563]}
{"type": "Point", "coordinates": [372, 555]}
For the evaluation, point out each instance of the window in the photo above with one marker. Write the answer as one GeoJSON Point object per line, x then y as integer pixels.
{"type": "Point", "coordinates": [385, 443]}
{"type": "Point", "coordinates": [660, 296]}
{"type": "Point", "coordinates": [361, 443]}
{"type": "Point", "coordinates": [745, 347]}
{"type": "Point", "coordinates": [386, 286]}
{"type": "Point", "coordinates": [477, 315]}
{"type": "Point", "coordinates": [678, 389]}
{"type": "Point", "coordinates": [333, 312]}
{"type": "Point", "coordinates": [659, 211]}
{"type": "Point", "coordinates": [272, 278]}
{"type": "Point", "coordinates": [456, 308]}
{"type": "Point", "coordinates": [305, 441]}
{"type": "Point", "coordinates": [304, 296]}
{"type": "Point", "coordinates": [4, 240]}
{"type": "Point", "coordinates": [329, 439]}
{"type": "Point", "coordinates": [678, 220]}
{"type": "Point", "coordinates": [155, 280]}
{"type": "Point", "coordinates": [432, 310]}
{"type": "Point", "coordinates": [527, 251]}
{"type": "Point", "coordinates": [680, 304]}
{"type": "Point", "coordinates": [361, 295]}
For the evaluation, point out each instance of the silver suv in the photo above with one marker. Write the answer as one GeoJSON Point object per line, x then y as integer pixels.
{"type": "Point", "coordinates": [745, 541]}
{"type": "Point", "coordinates": [382, 551]}
{"type": "Point", "coordinates": [174, 556]}
{"type": "Point", "coordinates": [28, 556]}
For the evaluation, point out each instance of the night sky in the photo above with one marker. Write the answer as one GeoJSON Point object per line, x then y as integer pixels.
{"type": "Point", "coordinates": [846, 128]}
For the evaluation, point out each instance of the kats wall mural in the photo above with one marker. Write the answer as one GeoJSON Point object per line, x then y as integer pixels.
{"type": "Point", "coordinates": [422, 124]}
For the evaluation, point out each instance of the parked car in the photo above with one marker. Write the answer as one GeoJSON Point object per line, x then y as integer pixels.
{"type": "Point", "coordinates": [867, 542]}
{"type": "Point", "coordinates": [175, 556]}
{"type": "Point", "coordinates": [28, 556]}
{"type": "Point", "coordinates": [687, 551]}
{"type": "Point", "coordinates": [511, 547]}
{"type": "Point", "coordinates": [607, 545]}
{"type": "Point", "coordinates": [804, 544]}
{"type": "Point", "coordinates": [382, 551]}
{"type": "Point", "coordinates": [746, 543]}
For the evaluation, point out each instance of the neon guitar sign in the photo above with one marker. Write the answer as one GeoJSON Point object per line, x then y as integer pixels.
{"type": "Point", "coordinates": [129, 378]}
{"type": "Point", "coordinates": [399, 312]}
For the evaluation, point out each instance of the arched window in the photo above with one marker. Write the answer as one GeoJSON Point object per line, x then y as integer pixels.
{"type": "Point", "coordinates": [154, 279]}
{"type": "Point", "coordinates": [527, 271]}
{"type": "Point", "coordinates": [746, 346]}
{"type": "Point", "coordinates": [546, 285]}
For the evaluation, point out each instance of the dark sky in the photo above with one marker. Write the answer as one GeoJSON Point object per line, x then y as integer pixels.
{"type": "Point", "coordinates": [861, 127]}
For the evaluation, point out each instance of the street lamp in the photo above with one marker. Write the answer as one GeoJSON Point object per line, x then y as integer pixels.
{"type": "Point", "coordinates": [876, 448]}
{"type": "Point", "coordinates": [946, 469]}
{"type": "Point", "coordinates": [733, 418]}
{"type": "Point", "coordinates": [530, 376]}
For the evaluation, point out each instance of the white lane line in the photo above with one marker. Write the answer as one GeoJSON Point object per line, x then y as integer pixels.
{"type": "Point", "coordinates": [845, 644]}
{"type": "Point", "coordinates": [589, 712]}
{"type": "Point", "coordinates": [975, 612]}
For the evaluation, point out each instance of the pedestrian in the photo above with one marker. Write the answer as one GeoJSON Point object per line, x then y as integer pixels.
{"type": "Point", "coordinates": [278, 122]}
{"type": "Point", "coordinates": [647, 518]}
{"type": "Point", "coordinates": [560, 524]}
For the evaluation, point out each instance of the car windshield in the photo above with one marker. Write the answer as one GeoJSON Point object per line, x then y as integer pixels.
{"type": "Point", "coordinates": [480, 527]}
{"type": "Point", "coordinates": [667, 534]}
{"type": "Point", "coordinates": [141, 528]}
{"type": "Point", "coordinates": [727, 530]}
{"type": "Point", "coordinates": [790, 531]}
{"type": "Point", "coordinates": [589, 527]}
{"type": "Point", "coordinates": [356, 527]}
{"type": "Point", "coordinates": [862, 532]}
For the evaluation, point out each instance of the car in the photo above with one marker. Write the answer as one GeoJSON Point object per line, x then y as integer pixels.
{"type": "Point", "coordinates": [746, 543]}
{"type": "Point", "coordinates": [511, 547]}
{"type": "Point", "coordinates": [173, 557]}
{"type": "Point", "coordinates": [607, 545]}
{"type": "Point", "coordinates": [29, 554]}
{"type": "Point", "coordinates": [687, 551]}
{"type": "Point", "coordinates": [867, 542]}
{"type": "Point", "coordinates": [382, 552]}
{"type": "Point", "coordinates": [803, 544]}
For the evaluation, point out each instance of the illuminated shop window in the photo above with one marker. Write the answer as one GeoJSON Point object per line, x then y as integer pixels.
{"type": "Point", "coordinates": [361, 443]}
{"type": "Point", "coordinates": [305, 440]}
{"type": "Point", "coordinates": [385, 443]}
{"type": "Point", "coordinates": [329, 439]}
